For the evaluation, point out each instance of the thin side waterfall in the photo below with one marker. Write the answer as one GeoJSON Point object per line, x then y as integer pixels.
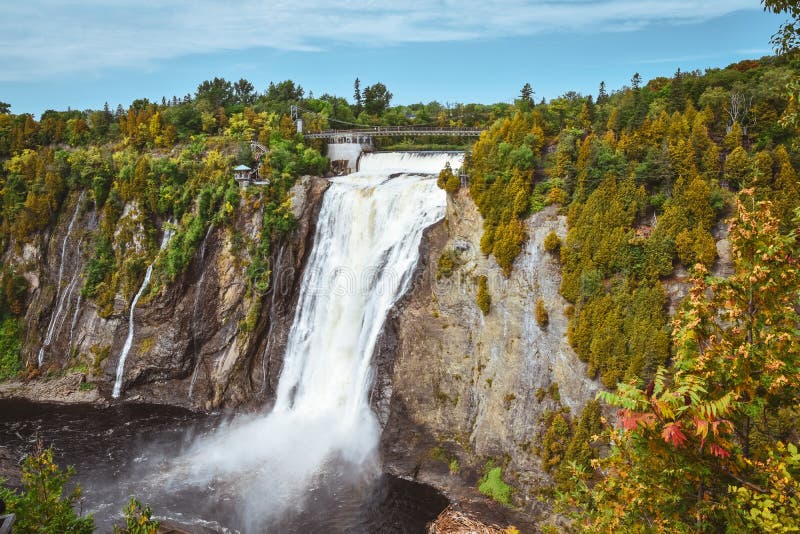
{"type": "Point", "coordinates": [168, 232]}
{"type": "Point", "coordinates": [59, 300]}
{"type": "Point", "coordinates": [197, 292]}
{"type": "Point", "coordinates": [321, 427]}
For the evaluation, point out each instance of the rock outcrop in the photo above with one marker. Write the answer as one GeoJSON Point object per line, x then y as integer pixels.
{"type": "Point", "coordinates": [190, 347]}
{"type": "Point", "coordinates": [457, 388]}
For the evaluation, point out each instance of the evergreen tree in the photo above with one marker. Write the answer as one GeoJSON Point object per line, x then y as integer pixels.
{"type": "Point", "coordinates": [526, 97]}
{"type": "Point", "coordinates": [357, 98]}
{"type": "Point", "coordinates": [602, 95]}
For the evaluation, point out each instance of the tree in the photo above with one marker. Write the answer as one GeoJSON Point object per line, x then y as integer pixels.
{"type": "Point", "coordinates": [217, 92]}
{"type": "Point", "coordinates": [787, 38]}
{"type": "Point", "coordinates": [284, 92]}
{"type": "Point", "coordinates": [376, 99]}
{"type": "Point", "coordinates": [244, 91]}
{"type": "Point", "coordinates": [42, 505]}
{"type": "Point", "coordinates": [5, 107]}
{"type": "Point", "coordinates": [701, 448]}
{"type": "Point", "coordinates": [636, 81]}
{"type": "Point", "coordinates": [526, 97]}
{"type": "Point", "coordinates": [357, 96]}
{"type": "Point", "coordinates": [602, 95]}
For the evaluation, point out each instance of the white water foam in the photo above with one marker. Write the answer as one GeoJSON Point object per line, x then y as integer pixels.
{"type": "Point", "coordinates": [365, 252]}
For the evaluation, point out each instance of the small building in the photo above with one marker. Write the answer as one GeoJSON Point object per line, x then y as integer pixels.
{"type": "Point", "coordinates": [242, 175]}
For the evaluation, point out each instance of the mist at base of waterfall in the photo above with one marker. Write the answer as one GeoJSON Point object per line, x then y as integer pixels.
{"type": "Point", "coordinates": [321, 430]}
{"type": "Point", "coordinates": [116, 460]}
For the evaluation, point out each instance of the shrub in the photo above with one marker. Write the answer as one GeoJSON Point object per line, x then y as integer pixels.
{"type": "Point", "coordinates": [542, 317]}
{"type": "Point", "coordinates": [445, 265]}
{"type": "Point", "coordinates": [448, 180]}
{"type": "Point", "coordinates": [492, 485]}
{"type": "Point", "coordinates": [10, 363]}
{"type": "Point", "coordinates": [552, 242]}
{"type": "Point", "coordinates": [484, 300]}
{"type": "Point", "coordinates": [138, 519]}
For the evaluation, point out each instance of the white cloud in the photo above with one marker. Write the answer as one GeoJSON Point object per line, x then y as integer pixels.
{"type": "Point", "coordinates": [40, 39]}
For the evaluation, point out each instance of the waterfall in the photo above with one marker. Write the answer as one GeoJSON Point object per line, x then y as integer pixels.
{"type": "Point", "coordinates": [168, 232]}
{"type": "Point", "coordinates": [364, 254]}
{"type": "Point", "coordinates": [59, 300]}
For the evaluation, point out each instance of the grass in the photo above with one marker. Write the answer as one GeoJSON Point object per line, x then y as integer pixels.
{"type": "Point", "coordinates": [492, 485]}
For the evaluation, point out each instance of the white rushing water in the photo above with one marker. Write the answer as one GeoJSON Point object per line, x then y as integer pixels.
{"type": "Point", "coordinates": [168, 232]}
{"type": "Point", "coordinates": [365, 252]}
{"type": "Point", "coordinates": [59, 300]}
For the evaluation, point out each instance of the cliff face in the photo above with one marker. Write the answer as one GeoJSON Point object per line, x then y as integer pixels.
{"type": "Point", "coordinates": [456, 387]}
{"type": "Point", "coordinates": [190, 346]}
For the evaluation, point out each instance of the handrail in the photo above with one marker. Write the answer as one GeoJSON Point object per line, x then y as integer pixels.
{"type": "Point", "coordinates": [381, 131]}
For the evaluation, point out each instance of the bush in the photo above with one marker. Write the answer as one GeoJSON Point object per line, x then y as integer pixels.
{"type": "Point", "coordinates": [41, 506]}
{"type": "Point", "coordinates": [542, 317]}
{"type": "Point", "coordinates": [483, 299]}
{"type": "Point", "coordinates": [10, 363]}
{"type": "Point", "coordinates": [552, 242]}
{"type": "Point", "coordinates": [138, 519]}
{"type": "Point", "coordinates": [446, 265]}
{"type": "Point", "coordinates": [492, 485]}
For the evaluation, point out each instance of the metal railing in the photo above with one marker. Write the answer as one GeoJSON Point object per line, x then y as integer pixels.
{"type": "Point", "coordinates": [391, 131]}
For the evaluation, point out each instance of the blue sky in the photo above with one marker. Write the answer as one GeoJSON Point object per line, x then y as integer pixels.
{"type": "Point", "coordinates": [59, 53]}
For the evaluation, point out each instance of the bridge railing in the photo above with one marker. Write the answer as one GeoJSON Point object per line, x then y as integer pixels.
{"type": "Point", "coordinates": [386, 131]}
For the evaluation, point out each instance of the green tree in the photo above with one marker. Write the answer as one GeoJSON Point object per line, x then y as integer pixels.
{"type": "Point", "coordinates": [526, 97]}
{"type": "Point", "coordinates": [376, 99]}
{"type": "Point", "coordinates": [43, 506]}
{"type": "Point", "coordinates": [217, 92]}
{"type": "Point", "coordinates": [244, 91]}
{"type": "Point", "coordinates": [357, 98]}
{"type": "Point", "coordinates": [787, 38]}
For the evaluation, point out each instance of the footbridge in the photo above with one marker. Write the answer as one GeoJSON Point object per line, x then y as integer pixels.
{"type": "Point", "coordinates": [357, 135]}
{"type": "Point", "coordinates": [346, 146]}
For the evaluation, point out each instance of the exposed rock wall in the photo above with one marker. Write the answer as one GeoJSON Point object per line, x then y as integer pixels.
{"type": "Point", "coordinates": [189, 335]}
{"type": "Point", "coordinates": [454, 384]}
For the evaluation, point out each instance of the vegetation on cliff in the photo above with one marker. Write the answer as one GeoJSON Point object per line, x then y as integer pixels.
{"type": "Point", "coordinates": [139, 170]}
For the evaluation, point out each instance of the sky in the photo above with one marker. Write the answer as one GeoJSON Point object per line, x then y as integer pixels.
{"type": "Point", "coordinates": [56, 54]}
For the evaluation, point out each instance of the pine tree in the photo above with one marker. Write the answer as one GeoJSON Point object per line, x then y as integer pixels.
{"type": "Point", "coordinates": [602, 96]}
{"type": "Point", "coordinates": [357, 98]}
{"type": "Point", "coordinates": [526, 97]}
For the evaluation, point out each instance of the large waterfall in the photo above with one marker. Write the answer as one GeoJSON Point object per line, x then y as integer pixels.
{"type": "Point", "coordinates": [364, 254]}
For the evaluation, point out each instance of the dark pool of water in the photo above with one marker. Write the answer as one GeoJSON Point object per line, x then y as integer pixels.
{"type": "Point", "coordinates": [117, 451]}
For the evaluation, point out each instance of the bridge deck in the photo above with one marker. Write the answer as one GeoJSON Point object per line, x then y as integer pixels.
{"type": "Point", "coordinates": [394, 131]}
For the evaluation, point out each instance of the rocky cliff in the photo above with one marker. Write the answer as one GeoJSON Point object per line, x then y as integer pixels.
{"type": "Point", "coordinates": [457, 388]}
{"type": "Point", "coordinates": [190, 346]}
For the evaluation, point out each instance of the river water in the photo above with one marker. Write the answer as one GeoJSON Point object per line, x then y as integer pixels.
{"type": "Point", "coordinates": [115, 460]}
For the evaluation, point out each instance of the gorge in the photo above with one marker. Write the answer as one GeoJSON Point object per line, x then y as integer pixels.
{"type": "Point", "coordinates": [533, 328]}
